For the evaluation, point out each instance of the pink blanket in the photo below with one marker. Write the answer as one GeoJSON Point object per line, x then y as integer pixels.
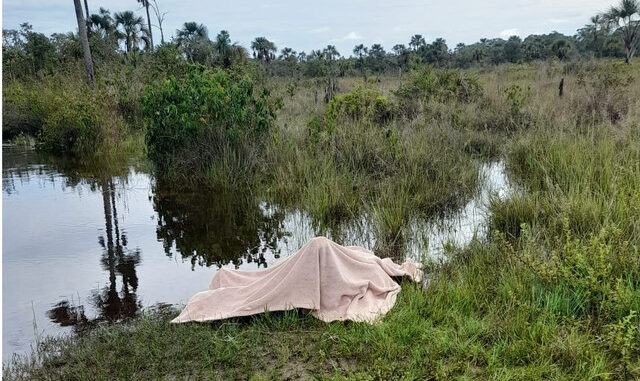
{"type": "Point", "coordinates": [335, 282]}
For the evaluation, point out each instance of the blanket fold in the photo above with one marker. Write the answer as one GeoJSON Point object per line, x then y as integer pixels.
{"type": "Point", "coordinates": [334, 281]}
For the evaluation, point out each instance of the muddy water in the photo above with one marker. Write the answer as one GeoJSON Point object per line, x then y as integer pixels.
{"type": "Point", "coordinates": [81, 248]}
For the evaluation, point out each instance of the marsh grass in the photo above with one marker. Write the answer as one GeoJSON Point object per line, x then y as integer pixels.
{"type": "Point", "coordinates": [552, 293]}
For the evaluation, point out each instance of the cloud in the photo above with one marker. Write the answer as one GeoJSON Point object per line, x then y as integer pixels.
{"type": "Point", "coordinates": [509, 32]}
{"type": "Point", "coordinates": [321, 29]}
{"type": "Point", "coordinates": [348, 37]}
{"type": "Point", "coordinates": [558, 21]}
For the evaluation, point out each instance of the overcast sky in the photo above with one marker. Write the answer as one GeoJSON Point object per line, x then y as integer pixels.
{"type": "Point", "coordinates": [306, 25]}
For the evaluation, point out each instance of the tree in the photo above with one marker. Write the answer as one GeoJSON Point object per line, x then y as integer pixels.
{"type": "Point", "coordinates": [416, 42]}
{"type": "Point", "coordinates": [360, 51]}
{"type": "Point", "coordinates": [193, 40]}
{"type": "Point", "coordinates": [402, 55]}
{"type": "Point", "coordinates": [561, 48]}
{"type": "Point", "coordinates": [145, 3]}
{"type": "Point", "coordinates": [86, 52]}
{"type": "Point", "coordinates": [263, 49]}
{"type": "Point", "coordinates": [439, 51]}
{"type": "Point", "coordinates": [67, 47]}
{"type": "Point", "coordinates": [512, 49]}
{"type": "Point", "coordinates": [625, 17]}
{"type": "Point", "coordinates": [376, 58]}
{"type": "Point", "coordinates": [597, 23]}
{"type": "Point", "coordinates": [102, 23]}
{"type": "Point", "coordinates": [535, 47]}
{"type": "Point", "coordinates": [191, 30]}
{"type": "Point", "coordinates": [131, 30]}
{"type": "Point", "coordinates": [223, 48]}
{"type": "Point", "coordinates": [159, 17]}
{"type": "Point", "coordinates": [288, 54]}
{"type": "Point", "coordinates": [331, 53]}
{"type": "Point", "coordinates": [478, 53]}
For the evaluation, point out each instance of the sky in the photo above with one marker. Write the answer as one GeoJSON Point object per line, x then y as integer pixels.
{"type": "Point", "coordinates": [306, 25]}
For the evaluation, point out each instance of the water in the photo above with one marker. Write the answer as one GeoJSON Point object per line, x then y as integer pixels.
{"type": "Point", "coordinates": [81, 248]}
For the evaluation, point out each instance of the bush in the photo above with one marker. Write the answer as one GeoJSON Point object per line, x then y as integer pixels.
{"type": "Point", "coordinates": [605, 97]}
{"type": "Point", "coordinates": [447, 85]}
{"type": "Point", "coordinates": [362, 104]}
{"type": "Point", "coordinates": [72, 127]}
{"type": "Point", "coordinates": [63, 114]}
{"type": "Point", "coordinates": [193, 121]}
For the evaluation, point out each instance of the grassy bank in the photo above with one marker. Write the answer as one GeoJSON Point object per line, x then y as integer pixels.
{"type": "Point", "coordinates": [553, 292]}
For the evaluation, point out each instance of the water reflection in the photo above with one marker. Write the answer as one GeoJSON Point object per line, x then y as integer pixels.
{"type": "Point", "coordinates": [117, 259]}
{"type": "Point", "coordinates": [218, 228]}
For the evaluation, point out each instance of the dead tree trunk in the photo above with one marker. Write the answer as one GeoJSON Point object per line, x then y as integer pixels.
{"type": "Point", "coordinates": [561, 87]}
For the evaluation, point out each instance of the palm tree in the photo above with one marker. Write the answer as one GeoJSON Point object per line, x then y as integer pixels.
{"type": "Point", "coordinates": [439, 50]}
{"type": "Point", "coordinates": [287, 54]}
{"type": "Point", "coordinates": [237, 53]}
{"type": "Point", "coordinates": [416, 42]}
{"type": "Point", "coordinates": [477, 54]}
{"type": "Point", "coordinates": [131, 30]}
{"type": "Point", "coordinates": [190, 38]}
{"type": "Point", "coordinates": [191, 30]}
{"type": "Point", "coordinates": [360, 51]}
{"type": "Point", "coordinates": [102, 23]}
{"type": "Point", "coordinates": [223, 48]}
{"type": "Point", "coordinates": [625, 17]}
{"type": "Point", "coordinates": [596, 22]}
{"type": "Point", "coordinates": [561, 48]}
{"type": "Point", "coordinates": [316, 55]}
{"type": "Point", "coordinates": [82, 32]}
{"type": "Point", "coordinates": [145, 3]}
{"type": "Point", "coordinates": [331, 53]}
{"type": "Point", "coordinates": [402, 55]}
{"type": "Point", "coordinates": [263, 49]}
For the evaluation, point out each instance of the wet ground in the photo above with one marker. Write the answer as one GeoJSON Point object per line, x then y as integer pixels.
{"type": "Point", "coordinates": [80, 248]}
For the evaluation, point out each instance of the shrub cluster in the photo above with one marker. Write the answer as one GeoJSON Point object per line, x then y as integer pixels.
{"type": "Point", "coordinates": [64, 117]}
{"type": "Point", "coordinates": [194, 120]}
{"type": "Point", "coordinates": [426, 83]}
{"type": "Point", "coordinates": [362, 104]}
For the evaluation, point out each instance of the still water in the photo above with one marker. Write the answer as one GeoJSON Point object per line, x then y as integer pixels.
{"type": "Point", "coordinates": [81, 248]}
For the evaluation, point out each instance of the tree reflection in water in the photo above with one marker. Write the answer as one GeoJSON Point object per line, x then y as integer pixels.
{"type": "Point", "coordinates": [117, 259]}
{"type": "Point", "coordinates": [218, 228]}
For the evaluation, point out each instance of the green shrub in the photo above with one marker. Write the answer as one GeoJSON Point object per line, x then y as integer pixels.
{"type": "Point", "coordinates": [426, 83]}
{"type": "Point", "coordinates": [193, 121]}
{"type": "Point", "coordinates": [72, 127]}
{"type": "Point", "coordinates": [63, 114]}
{"type": "Point", "coordinates": [362, 104]}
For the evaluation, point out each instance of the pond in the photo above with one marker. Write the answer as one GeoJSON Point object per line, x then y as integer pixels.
{"type": "Point", "coordinates": [81, 248]}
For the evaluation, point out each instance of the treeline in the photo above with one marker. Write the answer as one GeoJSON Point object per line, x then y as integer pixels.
{"type": "Point", "coordinates": [126, 35]}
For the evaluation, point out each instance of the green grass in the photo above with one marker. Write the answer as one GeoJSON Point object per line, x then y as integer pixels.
{"type": "Point", "coordinates": [552, 293]}
{"type": "Point", "coordinates": [477, 319]}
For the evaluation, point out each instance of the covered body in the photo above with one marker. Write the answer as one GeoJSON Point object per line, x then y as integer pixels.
{"type": "Point", "coordinates": [334, 281]}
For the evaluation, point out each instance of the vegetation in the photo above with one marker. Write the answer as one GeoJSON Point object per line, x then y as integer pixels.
{"type": "Point", "coordinates": [195, 121]}
{"type": "Point", "coordinates": [553, 291]}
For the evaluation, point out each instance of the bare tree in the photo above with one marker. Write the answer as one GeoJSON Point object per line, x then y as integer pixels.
{"type": "Point", "coordinates": [82, 32]}
{"type": "Point", "coordinates": [159, 17]}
